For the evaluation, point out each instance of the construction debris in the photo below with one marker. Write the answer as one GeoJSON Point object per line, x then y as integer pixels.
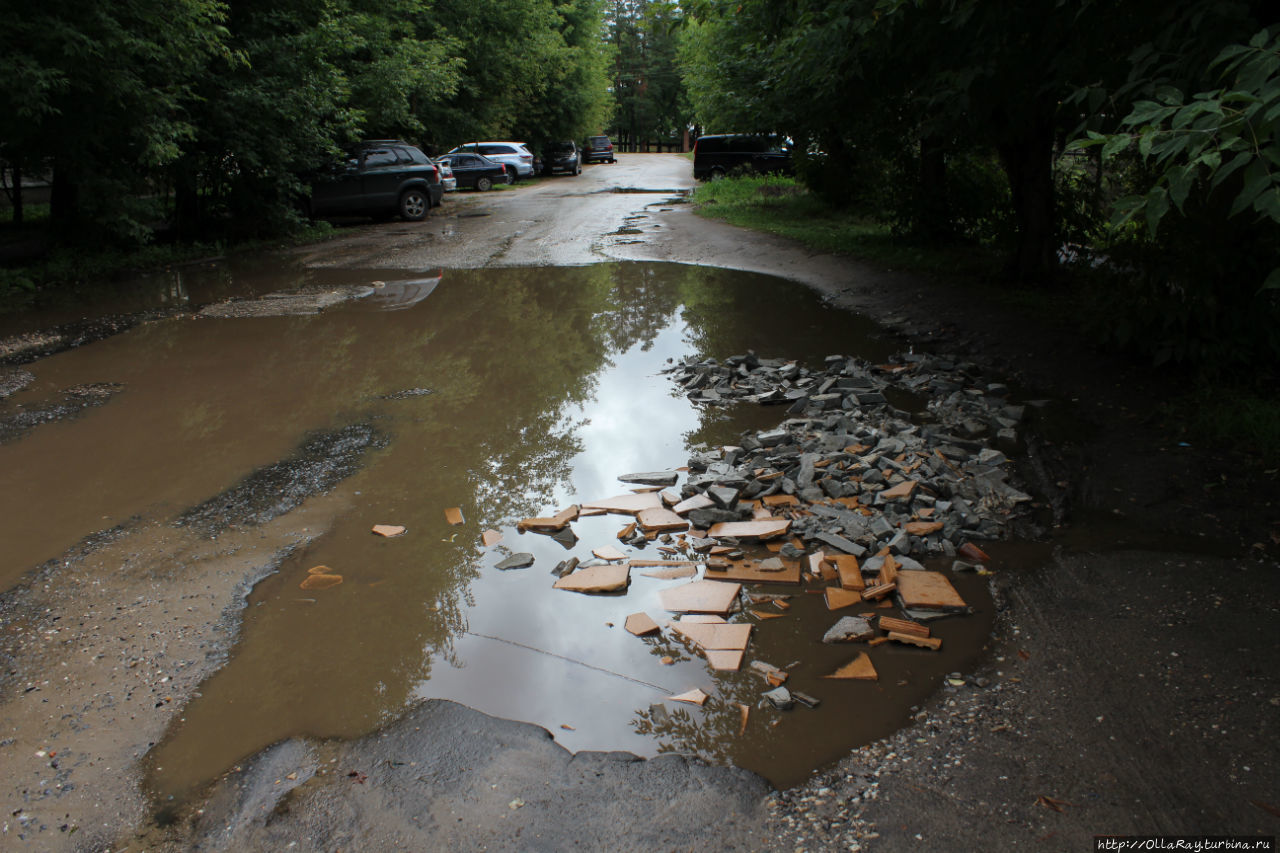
{"type": "Point", "coordinates": [608, 577]}
{"type": "Point", "coordinates": [388, 530]}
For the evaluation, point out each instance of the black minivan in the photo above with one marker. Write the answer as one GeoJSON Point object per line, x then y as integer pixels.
{"type": "Point", "coordinates": [716, 155]}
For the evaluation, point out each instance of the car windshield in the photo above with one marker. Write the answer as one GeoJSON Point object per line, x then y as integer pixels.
{"type": "Point", "coordinates": [560, 147]}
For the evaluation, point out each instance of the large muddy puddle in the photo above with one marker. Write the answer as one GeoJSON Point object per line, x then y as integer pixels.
{"type": "Point", "coordinates": [506, 393]}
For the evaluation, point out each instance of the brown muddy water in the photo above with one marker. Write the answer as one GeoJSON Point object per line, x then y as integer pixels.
{"type": "Point", "coordinates": [507, 393]}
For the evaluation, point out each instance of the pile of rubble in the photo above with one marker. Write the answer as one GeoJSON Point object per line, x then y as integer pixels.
{"type": "Point", "coordinates": [869, 478]}
{"type": "Point", "coordinates": [847, 492]}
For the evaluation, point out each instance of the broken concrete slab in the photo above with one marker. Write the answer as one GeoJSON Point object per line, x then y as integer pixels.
{"type": "Point", "coordinates": [610, 577]}
{"type": "Point", "coordinates": [849, 629]}
{"type": "Point", "coordinates": [521, 560]}
{"type": "Point", "coordinates": [780, 698]}
{"type": "Point", "coordinates": [652, 478]}
{"type": "Point", "coordinates": [690, 504]}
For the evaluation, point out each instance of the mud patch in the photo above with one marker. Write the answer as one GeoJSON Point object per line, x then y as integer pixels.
{"type": "Point", "coordinates": [33, 346]}
{"type": "Point", "coordinates": [74, 402]}
{"type": "Point", "coordinates": [291, 303]}
{"type": "Point", "coordinates": [321, 462]}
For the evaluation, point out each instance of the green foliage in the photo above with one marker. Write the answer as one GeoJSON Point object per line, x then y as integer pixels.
{"type": "Point", "coordinates": [1221, 140]}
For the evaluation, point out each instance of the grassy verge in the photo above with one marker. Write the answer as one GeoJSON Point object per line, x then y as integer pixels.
{"type": "Point", "coordinates": [784, 207]}
{"type": "Point", "coordinates": [1244, 414]}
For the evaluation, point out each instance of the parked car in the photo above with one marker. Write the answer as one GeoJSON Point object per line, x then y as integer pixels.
{"type": "Point", "coordinates": [447, 179]}
{"type": "Point", "coordinates": [475, 171]}
{"type": "Point", "coordinates": [378, 178]}
{"type": "Point", "coordinates": [716, 155]}
{"type": "Point", "coordinates": [599, 149]}
{"type": "Point", "coordinates": [514, 154]}
{"type": "Point", "coordinates": [562, 157]}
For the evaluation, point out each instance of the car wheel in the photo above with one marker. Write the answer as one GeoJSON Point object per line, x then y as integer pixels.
{"type": "Point", "coordinates": [577, 169]}
{"type": "Point", "coordinates": [512, 174]}
{"type": "Point", "coordinates": [717, 174]}
{"type": "Point", "coordinates": [484, 184]}
{"type": "Point", "coordinates": [414, 205]}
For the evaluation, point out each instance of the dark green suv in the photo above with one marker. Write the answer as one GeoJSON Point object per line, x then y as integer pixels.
{"type": "Point", "coordinates": [379, 178]}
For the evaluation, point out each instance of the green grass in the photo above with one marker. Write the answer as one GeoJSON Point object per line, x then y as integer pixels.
{"type": "Point", "coordinates": [1238, 418]}
{"type": "Point", "coordinates": [784, 207]}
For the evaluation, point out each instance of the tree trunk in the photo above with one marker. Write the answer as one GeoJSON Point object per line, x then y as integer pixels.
{"type": "Point", "coordinates": [933, 216]}
{"type": "Point", "coordinates": [1028, 163]}
{"type": "Point", "coordinates": [15, 197]}
{"type": "Point", "coordinates": [64, 197]}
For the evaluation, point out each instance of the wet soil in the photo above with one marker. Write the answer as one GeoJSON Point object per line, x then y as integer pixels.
{"type": "Point", "coordinates": [102, 645]}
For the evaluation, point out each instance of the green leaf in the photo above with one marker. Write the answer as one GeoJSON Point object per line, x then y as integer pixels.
{"type": "Point", "coordinates": [1256, 180]}
{"type": "Point", "coordinates": [1180, 180]}
{"type": "Point", "coordinates": [1226, 172]}
{"type": "Point", "coordinates": [1272, 282]}
{"type": "Point", "coordinates": [1157, 207]}
{"type": "Point", "coordinates": [1115, 144]}
{"type": "Point", "coordinates": [1268, 204]}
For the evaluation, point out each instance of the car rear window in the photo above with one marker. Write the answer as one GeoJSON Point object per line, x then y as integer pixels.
{"type": "Point", "coordinates": [488, 150]}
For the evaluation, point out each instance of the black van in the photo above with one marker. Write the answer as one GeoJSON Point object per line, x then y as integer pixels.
{"type": "Point", "coordinates": [716, 155]}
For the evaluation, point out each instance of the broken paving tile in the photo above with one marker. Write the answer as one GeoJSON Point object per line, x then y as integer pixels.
{"type": "Point", "coordinates": [715, 637]}
{"type": "Point", "coordinates": [610, 577]}
{"type": "Point", "coordinates": [690, 504]}
{"type": "Point", "coordinates": [701, 597]}
{"type": "Point", "coordinates": [846, 566]}
{"type": "Point", "coordinates": [974, 553]}
{"type": "Point", "coordinates": [453, 515]}
{"type": "Point", "coordinates": [838, 597]}
{"type": "Point", "coordinates": [516, 561]}
{"type": "Point", "coordinates": [388, 530]}
{"type": "Point", "coordinates": [922, 528]}
{"type": "Point", "coordinates": [684, 570]}
{"type": "Point", "coordinates": [770, 673]}
{"type": "Point", "coordinates": [860, 669]}
{"type": "Point", "coordinates": [902, 626]}
{"type": "Point", "coordinates": [767, 529]}
{"type": "Point", "coordinates": [659, 519]}
{"type": "Point", "coordinates": [641, 624]}
{"type": "Point", "coordinates": [320, 580]}
{"type": "Point", "coordinates": [933, 643]}
{"type": "Point", "coordinates": [490, 538]}
{"type": "Point", "coordinates": [902, 491]}
{"type": "Point", "coordinates": [693, 697]}
{"type": "Point", "coordinates": [849, 629]}
{"type": "Point", "coordinates": [724, 660]}
{"type": "Point", "coordinates": [749, 572]}
{"type": "Point", "coordinates": [627, 504]}
{"type": "Point", "coordinates": [608, 552]}
{"type": "Point", "coordinates": [556, 522]}
{"type": "Point", "coordinates": [928, 591]}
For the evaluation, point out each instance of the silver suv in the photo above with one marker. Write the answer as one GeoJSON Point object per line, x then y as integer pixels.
{"type": "Point", "coordinates": [516, 155]}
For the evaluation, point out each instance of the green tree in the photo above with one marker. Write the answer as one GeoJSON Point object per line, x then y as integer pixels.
{"type": "Point", "coordinates": [98, 94]}
{"type": "Point", "coordinates": [648, 86]}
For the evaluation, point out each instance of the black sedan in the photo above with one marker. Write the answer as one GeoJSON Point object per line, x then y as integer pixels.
{"type": "Point", "coordinates": [379, 178]}
{"type": "Point", "coordinates": [475, 170]}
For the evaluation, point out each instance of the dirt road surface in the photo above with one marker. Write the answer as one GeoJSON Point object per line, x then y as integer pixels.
{"type": "Point", "coordinates": [1131, 688]}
